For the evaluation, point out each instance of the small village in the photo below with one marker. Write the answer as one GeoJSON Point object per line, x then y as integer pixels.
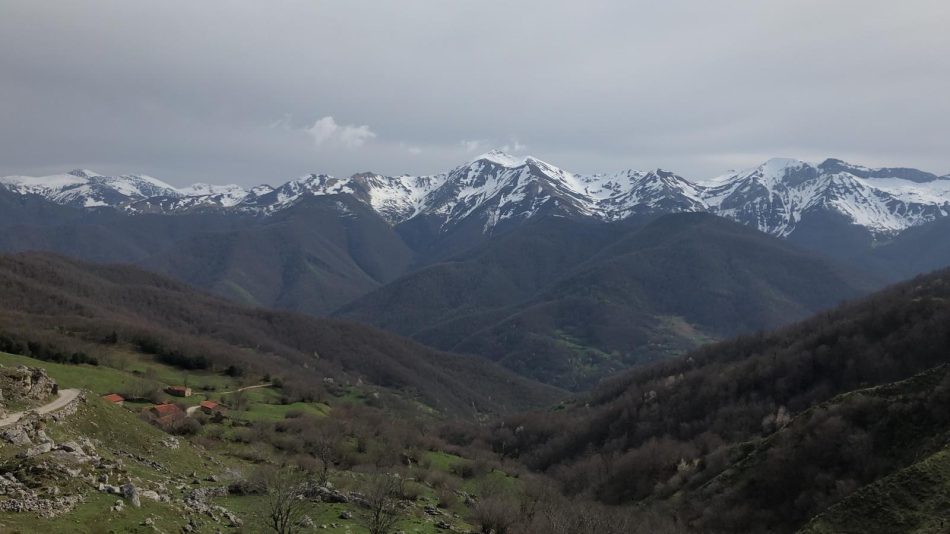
{"type": "Point", "coordinates": [80, 441]}
{"type": "Point", "coordinates": [168, 414]}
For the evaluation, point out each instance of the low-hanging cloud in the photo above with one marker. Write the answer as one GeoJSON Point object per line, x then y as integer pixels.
{"type": "Point", "coordinates": [473, 145]}
{"type": "Point", "coordinates": [326, 131]}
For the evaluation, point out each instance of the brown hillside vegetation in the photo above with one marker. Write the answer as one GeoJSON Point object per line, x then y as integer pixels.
{"type": "Point", "coordinates": [67, 310]}
{"type": "Point", "coordinates": [663, 431]}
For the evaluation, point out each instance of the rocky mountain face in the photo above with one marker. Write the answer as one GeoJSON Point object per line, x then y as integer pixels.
{"type": "Point", "coordinates": [778, 195]}
{"type": "Point", "coordinates": [497, 189]}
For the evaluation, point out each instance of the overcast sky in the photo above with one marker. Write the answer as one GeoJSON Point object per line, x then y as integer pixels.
{"type": "Point", "coordinates": [261, 91]}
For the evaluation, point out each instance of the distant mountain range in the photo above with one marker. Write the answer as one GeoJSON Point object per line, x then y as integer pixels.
{"type": "Point", "coordinates": [497, 188]}
{"type": "Point", "coordinates": [561, 277]}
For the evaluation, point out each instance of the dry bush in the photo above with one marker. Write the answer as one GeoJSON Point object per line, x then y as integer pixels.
{"type": "Point", "coordinates": [447, 498]}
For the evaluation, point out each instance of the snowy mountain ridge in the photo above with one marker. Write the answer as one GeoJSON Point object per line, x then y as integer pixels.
{"type": "Point", "coordinates": [497, 188]}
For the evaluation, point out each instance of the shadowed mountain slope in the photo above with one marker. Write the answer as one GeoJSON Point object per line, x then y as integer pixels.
{"type": "Point", "coordinates": [760, 433]}
{"type": "Point", "coordinates": [568, 302]}
{"type": "Point", "coordinates": [67, 307]}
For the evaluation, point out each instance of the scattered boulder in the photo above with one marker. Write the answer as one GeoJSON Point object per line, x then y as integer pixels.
{"type": "Point", "coordinates": [29, 501]}
{"type": "Point", "coordinates": [346, 514]}
{"type": "Point", "coordinates": [359, 499]}
{"type": "Point", "coordinates": [16, 435]}
{"type": "Point", "coordinates": [36, 450]}
{"type": "Point", "coordinates": [87, 445]}
{"type": "Point", "coordinates": [328, 495]}
{"type": "Point", "coordinates": [106, 488]}
{"type": "Point", "coordinates": [71, 446]}
{"type": "Point", "coordinates": [73, 453]}
{"type": "Point", "coordinates": [196, 502]}
{"type": "Point", "coordinates": [39, 436]}
{"type": "Point", "coordinates": [131, 494]}
{"type": "Point", "coordinates": [152, 496]}
{"type": "Point", "coordinates": [203, 494]}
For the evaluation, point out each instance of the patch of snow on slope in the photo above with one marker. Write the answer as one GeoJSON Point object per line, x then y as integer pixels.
{"type": "Point", "coordinates": [501, 158]}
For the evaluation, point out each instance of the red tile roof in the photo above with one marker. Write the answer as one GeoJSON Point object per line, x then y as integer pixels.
{"type": "Point", "coordinates": [210, 404]}
{"type": "Point", "coordinates": [113, 397]}
{"type": "Point", "coordinates": [166, 409]}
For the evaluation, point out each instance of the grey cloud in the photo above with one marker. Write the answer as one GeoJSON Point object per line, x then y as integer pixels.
{"type": "Point", "coordinates": [190, 91]}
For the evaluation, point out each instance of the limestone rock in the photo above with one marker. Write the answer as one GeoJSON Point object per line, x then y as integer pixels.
{"type": "Point", "coordinates": [151, 495]}
{"type": "Point", "coordinates": [36, 450]}
{"type": "Point", "coordinates": [131, 494]}
{"type": "Point", "coordinates": [24, 382]}
{"type": "Point", "coordinates": [16, 435]}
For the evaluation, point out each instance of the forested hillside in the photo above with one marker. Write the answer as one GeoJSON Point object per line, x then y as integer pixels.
{"type": "Point", "coordinates": [761, 433]}
{"type": "Point", "coordinates": [569, 303]}
{"type": "Point", "coordinates": [313, 257]}
{"type": "Point", "coordinates": [63, 309]}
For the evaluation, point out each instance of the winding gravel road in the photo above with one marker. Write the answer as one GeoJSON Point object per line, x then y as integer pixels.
{"type": "Point", "coordinates": [65, 397]}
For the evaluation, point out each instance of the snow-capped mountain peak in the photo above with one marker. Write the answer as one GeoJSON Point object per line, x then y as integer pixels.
{"type": "Point", "coordinates": [83, 173]}
{"type": "Point", "coordinates": [777, 195]}
{"type": "Point", "coordinates": [85, 188]}
{"type": "Point", "coordinates": [208, 194]}
{"type": "Point", "coordinates": [501, 158]}
{"type": "Point", "coordinates": [499, 188]}
{"type": "Point", "coordinates": [199, 189]}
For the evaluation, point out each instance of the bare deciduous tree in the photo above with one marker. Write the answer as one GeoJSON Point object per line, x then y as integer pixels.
{"type": "Point", "coordinates": [497, 510]}
{"type": "Point", "coordinates": [382, 495]}
{"type": "Point", "coordinates": [324, 444]}
{"type": "Point", "coordinates": [285, 505]}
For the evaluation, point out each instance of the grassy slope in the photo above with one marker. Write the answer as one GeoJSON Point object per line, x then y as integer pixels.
{"type": "Point", "coordinates": [119, 430]}
{"type": "Point", "coordinates": [891, 425]}
{"type": "Point", "coordinates": [913, 500]}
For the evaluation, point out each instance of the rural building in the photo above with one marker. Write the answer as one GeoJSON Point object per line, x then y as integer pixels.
{"type": "Point", "coordinates": [178, 391]}
{"type": "Point", "coordinates": [166, 413]}
{"type": "Point", "coordinates": [210, 407]}
{"type": "Point", "coordinates": [114, 398]}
